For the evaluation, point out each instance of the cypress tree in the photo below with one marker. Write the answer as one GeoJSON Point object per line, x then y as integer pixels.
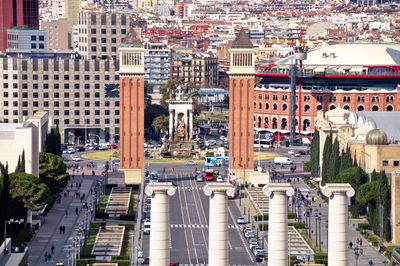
{"type": "Point", "coordinates": [325, 158]}
{"type": "Point", "coordinates": [57, 141]}
{"type": "Point", "coordinates": [23, 161]}
{"type": "Point", "coordinates": [355, 160]}
{"type": "Point", "coordinates": [18, 167]}
{"type": "Point", "coordinates": [5, 198]}
{"type": "Point", "coordinates": [334, 161]}
{"type": "Point", "coordinates": [383, 200]}
{"type": "Point", "coordinates": [374, 177]}
{"type": "Point", "coordinates": [315, 154]}
{"type": "Point", "coordinates": [345, 160]}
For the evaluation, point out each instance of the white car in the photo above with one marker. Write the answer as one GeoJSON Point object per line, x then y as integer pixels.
{"type": "Point", "coordinates": [75, 158]}
{"type": "Point", "coordinates": [69, 151]}
{"type": "Point", "coordinates": [146, 228]}
{"type": "Point", "coordinates": [291, 152]}
{"type": "Point", "coordinates": [240, 220]}
{"type": "Point", "coordinates": [191, 163]}
{"type": "Point", "coordinates": [220, 179]}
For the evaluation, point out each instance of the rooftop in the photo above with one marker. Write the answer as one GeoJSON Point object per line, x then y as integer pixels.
{"type": "Point", "coordinates": [242, 41]}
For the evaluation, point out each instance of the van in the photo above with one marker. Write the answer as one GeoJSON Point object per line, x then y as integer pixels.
{"type": "Point", "coordinates": [282, 160]}
{"type": "Point", "coordinates": [146, 228]}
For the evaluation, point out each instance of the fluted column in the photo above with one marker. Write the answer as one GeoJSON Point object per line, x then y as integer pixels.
{"type": "Point", "coordinates": [277, 224]}
{"type": "Point", "coordinates": [171, 124]}
{"type": "Point", "coordinates": [159, 236]}
{"type": "Point", "coordinates": [218, 228]}
{"type": "Point", "coordinates": [337, 228]}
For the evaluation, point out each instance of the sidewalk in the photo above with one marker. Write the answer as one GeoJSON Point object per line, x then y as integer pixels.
{"type": "Point", "coordinates": [49, 233]}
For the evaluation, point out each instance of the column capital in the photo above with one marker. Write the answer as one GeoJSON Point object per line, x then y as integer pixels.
{"type": "Point", "coordinates": [211, 188]}
{"type": "Point", "coordinates": [332, 188]}
{"type": "Point", "coordinates": [286, 188]}
{"type": "Point", "coordinates": [160, 187]}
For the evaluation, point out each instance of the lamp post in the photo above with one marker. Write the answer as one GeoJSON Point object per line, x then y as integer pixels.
{"type": "Point", "coordinates": [316, 230]}
{"type": "Point", "coordinates": [20, 221]}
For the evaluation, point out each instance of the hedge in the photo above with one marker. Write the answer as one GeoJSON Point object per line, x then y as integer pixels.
{"type": "Point", "coordinates": [85, 261]}
{"type": "Point", "coordinates": [120, 257]}
{"type": "Point", "coordinates": [294, 260]}
{"type": "Point", "coordinates": [128, 226]}
{"type": "Point", "coordinates": [363, 226]}
{"type": "Point", "coordinates": [96, 224]}
{"type": "Point", "coordinates": [101, 215]}
{"type": "Point", "coordinates": [373, 240]}
{"type": "Point", "coordinates": [265, 218]}
{"type": "Point", "coordinates": [298, 225]}
{"type": "Point", "coordinates": [127, 217]}
{"type": "Point", "coordinates": [321, 258]}
{"type": "Point", "coordinates": [121, 262]}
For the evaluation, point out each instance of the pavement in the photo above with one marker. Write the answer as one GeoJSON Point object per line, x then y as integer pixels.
{"type": "Point", "coordinates": [62, 213]}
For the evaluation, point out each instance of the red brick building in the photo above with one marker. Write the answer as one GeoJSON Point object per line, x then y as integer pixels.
{"type": "Point", "coordinates": [358, 77]}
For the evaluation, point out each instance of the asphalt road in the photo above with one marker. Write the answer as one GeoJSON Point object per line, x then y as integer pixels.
{"type": "Point", "coordinates": [189, 217]}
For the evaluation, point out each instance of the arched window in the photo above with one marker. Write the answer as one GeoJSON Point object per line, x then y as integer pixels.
{"type": "Point", "coordinates": [332, 107]}
{"type": "Point", "coordinates": [319, 107]}
{"type": "Point", "coordinates": [306, 108]}
{"type": "Point", "coordinates": [346, 107]}
{"type": "Point", "coordinates": [259, 121]}
{"type": "Point", "coordinates": [360, 108]}
{"type": "Point", "coordinates": [389, 108]}
{"type": "Point", "coordinates": [284, 123]}
{"type": "Point", "coordinates": [275, 106]}
{"type": "Point", "coordinates": [266, 106]}
{"type": "Point", "coordinates": [260, 105]}
{"type": "Point", "coordinates": [123, 20]}
{"type": "Point", "coordinates": [375, 108]}
{"type": "Point", "coordinates": [284, 107]}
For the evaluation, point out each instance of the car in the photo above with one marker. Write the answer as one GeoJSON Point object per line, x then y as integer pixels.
{"type": "Point", "coordinates": [146, 261]}
{"type": "Point", "coordinates": [220, 179]}
{"type": "Point", "coordinates": [80, 148]}
{"type": "Point", "coordinates": [146, 228]}
{"type": "Point", "coordinates": [153, 180]}
{"type": "Point", "coordinates": [247, 232]}
{"type": "Point", "coordinates": [112, 146]}
{"type": "Point", "coordinates": [296, 154]}
{"type": "Point", "coordinates": [302, 152]}
{"type": "Point", "coordinates": [75, 158]}
{"type": "Point", "coordinates": [253, 245]}
{"type": "Point", "coordinates": [258, 251]}
{"type": "Point", "coordinates": [260, 258]}
{"type": "Point", "coordinates": [173, 263]}
{"type": "Point", "coordinates": [115, 162]}
{"type": "Point", "coordinates": [103, 148]}
{"type": "Point", "coordinates": [94, 147]}
{"type": "Point", "coordinates": [69, 151]}
{"type": "Point", "coordinates": [65, 159]}
{"type": "Point", "coordinates": [199, 178]}
{"type": "Point", "coordinates": [250, 235]}
{"type": "Point", "coordinates": [291, 152]}
{"type": "Point", "coordinates": [240, 220]}
{"type": "Point", "coordinates": [191, 163]}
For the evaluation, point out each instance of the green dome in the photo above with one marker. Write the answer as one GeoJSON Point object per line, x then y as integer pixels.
{"type": "Point", "coordinates": [376, 137]}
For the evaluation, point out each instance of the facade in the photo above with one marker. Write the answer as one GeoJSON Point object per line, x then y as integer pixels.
{"type": "Point", "coordinates": [199, 68]}
{"type": "Point", "coordinates": [58, 34]}
{"type": "Point", "coordinates": [241, 86]}
{"type": "Point", "coordinates": [28, 137]}
{"type": "Point", "coordinates": [358, 77]}
{"type": "Point", "coordinates": [15, 13]}
{"type": "Point", "coordinates": [147, 4]}
{"type": "Point", "coordinates": [157, 64]}
{"type": "Point", "coordinates": [58, 9]}
{"type": "Point", "coordinates": [72, 8]}
{"type": "Point", "coordinates": [27, 40]}
{"type": "Point", "coordinates": [132, 108]}
{"type": "Point", "coordinates": [101, 33]}
{"type": "Point", "coordinates": [76, 93]}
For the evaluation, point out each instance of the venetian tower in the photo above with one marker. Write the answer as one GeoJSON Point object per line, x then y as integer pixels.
{"type": "Point", "coordinates": [131, 72]}
{"type": "Point", "coordinates": [241, 114]}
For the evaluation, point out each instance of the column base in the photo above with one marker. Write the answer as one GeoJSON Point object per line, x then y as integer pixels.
{"type": "Point", "coordinates": [133, 176]}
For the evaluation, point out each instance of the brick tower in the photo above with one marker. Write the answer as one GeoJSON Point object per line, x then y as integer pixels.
{"type": "Point", "coordinates": [241, 111]}
{"type": "Point", "coordinates": [131, 72]}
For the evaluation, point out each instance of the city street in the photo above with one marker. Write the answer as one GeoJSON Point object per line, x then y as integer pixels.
{"type": "Point", "coordinates": [189, 210]}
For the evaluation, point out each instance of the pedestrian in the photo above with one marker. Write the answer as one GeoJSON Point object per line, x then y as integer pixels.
{"type": "Point", "coordinates": [66, 212]}
{"type": "Point", "coordinates": [65, 194]}
{"type": "Point", "coordinates": [76, 211]}
{"type": "Point", "coordinates": [49, 256]}
{"type": "Point", "coordinates": [45, 256]}
{"type": "Point", "coordinates": [63, 229]}
{"type": "Point", "coordinates": [361, 251]}
{"type": "Point", "coordinates": [60, 229]}
{"type": "Point", "coordinates": [81, 199]}
{"type": "Point", "coordinates": [351, 245]}
{"type": "Point", "coordinates": [84, 196]}
{"type": "Point", "coordinates": [361, 242]}
{"type": "Point", "coordinates": [83, 175]}
{"type": "Point", "coordinates": [92, 172]}
{"type": "Point", "coordinates": [371, 262]}
{"type": "Point", "coordinates": [52, 249]}
{"type": "Point", "coordinates": [71, 185]}
{"type": "Point", "coordinates": [73, 175]}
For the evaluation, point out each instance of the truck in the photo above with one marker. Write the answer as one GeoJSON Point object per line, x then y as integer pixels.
{"type": "Point", "coordinates": [282, 160]}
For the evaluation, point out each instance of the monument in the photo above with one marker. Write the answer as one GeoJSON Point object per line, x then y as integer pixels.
{"type": "Point", "coordinates": [180, 142]}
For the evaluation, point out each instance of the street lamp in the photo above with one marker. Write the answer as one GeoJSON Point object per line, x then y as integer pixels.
{"type": "Point", "coordinates": [20, 221]}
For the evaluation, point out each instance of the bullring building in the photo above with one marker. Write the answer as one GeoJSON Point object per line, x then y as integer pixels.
{"type": "Point", "coordinates": [357, 77]}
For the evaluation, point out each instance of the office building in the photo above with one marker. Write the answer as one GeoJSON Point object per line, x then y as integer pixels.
{"type": "Point", "coordinates": [157, 64]}
{"type": "Point", "coordinates": [101, 33]}
{"type": "Point", "coordinates": [26, 40]}
{"type": "Point", "coordinates": [58, 35]}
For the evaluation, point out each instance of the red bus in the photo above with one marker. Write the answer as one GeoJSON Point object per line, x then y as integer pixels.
{"type": "Point", "coordinates": [209, 173]}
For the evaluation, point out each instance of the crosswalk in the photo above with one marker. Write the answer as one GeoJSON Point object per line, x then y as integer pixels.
{"type": "Point", "coordinates": [191, 188]}
{"type": "Point", "coordinates": [199, 226]}
{"type": "Point", "coordinates": [207, 265]}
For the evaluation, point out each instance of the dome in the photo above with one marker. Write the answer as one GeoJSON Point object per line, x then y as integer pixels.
{"type": "Point", "coordinates": [376, 137]}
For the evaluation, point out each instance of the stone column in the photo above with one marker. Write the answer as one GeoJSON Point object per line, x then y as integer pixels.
{"type": "Point", "coordinates": [190, 124]}
{"type": "Point", "coordinates": [218, 227]}
{"type": "Point", "coordinates": [338, 216]}
{"type": "Point", "coordinates": [171, 124]}
{"type": "Point", "coordinates": [277, 224]}
{"type": "Point", "coordinates": [159, 236]}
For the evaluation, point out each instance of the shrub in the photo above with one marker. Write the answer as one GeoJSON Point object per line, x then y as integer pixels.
{"type": "Point", "coordinates": [294, 260]}
{"type": "Point", "coordinates": [363, 226]}
{"type": "Point", "coordinates": [321, 258]}
{"type": "Point", "coordinates": [85, 261]}
{"type": "Point", "coordinates": [261, 218]}
{"type": "Point", "coordinates": [373, 240]}
{"type": "Point", "coordinates": [122, 262]}
{"type": "Point", "coordinates": [307, 166]}
{"type": "Point", "coordinates": [96, 224]}
{"type": "Point", "coordinates": [209, 154]}
{"type": "Point", "coordinates": [127, 217]}
{"type": "Point", "coordinates": [298, 225]}
{"type": "Point", "coordinates": [128, 226]}
{"type": "Point", "coordinates": [101, 215]}
{"type": "Point", "coordinates": [263, 227]}
{"type": "Point", "coordinates": [291, 215]}
{"type": "Point", "coordinates": [120, 257]}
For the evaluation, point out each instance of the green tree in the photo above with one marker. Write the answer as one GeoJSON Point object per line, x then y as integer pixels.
{"type": "Point", "coordinates": [53, 142]}
{"type": "Point", "coordinates": [315, 154]}
{"type": "Point", "coordinates": [21, 163]}
{"type": "Point", "coordinates": [52, 172]}
{"type": "Point", "coordinates": [160, 122]}
{"type": "Point", "coordinates": [366, 193]}
{"type": "Point", "coordinates": [325, 159]}
{"type": "Point", "coordinates": [29, 190]}
{"type": "Point", "coordinates": [374, 176]}
{"type": "Point", "coordinates": [383, 197]}
{"type": "Point", "coordinates": [226, 101]}
{"type": "Point", "coordinates": [152, 111]}
{"type": "Point", "coordinates": [334, 161]}
{"type": "Point", "coordinates": [148, 89]}
{"type": "Point", "coordinates": [349, 176]}
{"type": "Point", "coordinates": [18, 167]}
{"type": "Point", "coordinates": [5, 198]}
{"type": "Point", "coordinates": [345, 160]}
{"type": "Point", "coordinates": [165, 90]}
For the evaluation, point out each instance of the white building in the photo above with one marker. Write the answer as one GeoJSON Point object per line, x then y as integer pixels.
{"type": "Point", "coordinates": [28, 136]}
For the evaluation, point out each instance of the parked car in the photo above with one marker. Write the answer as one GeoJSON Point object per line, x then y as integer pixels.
{"type": "Point", "coordinates": [296, 154]}
{"type": "Point", "coordinates": [291, 152]}
{"type": "Point", "coordinates": [199, 178]}
{"type": "Point", "coordinates": [69, 151]}
{"type": "Point", "coordinates": [282, 160]}
{"type": "Point", "coordinates": [240, 220]}
{"type": "Point", "coordinates": [75, 158]}
{"type": "Point", "coordinates": [146, 261]}
{"type": "Point", "coordinates": [220, 179]}
{"type": "Point", "coordinates": [103, 148]}
{"type": "Point", "coordinates": [250, 235]}
{"type": "Point", "coordinates": [146, 228]}
{"type": "Point", "coordinates": [259, 258]}
{"type": "Point", "coordinates": [112, 146]}
{"type": "Point", "coordinates": [80, 148]}
{"type": "Point", "coordinates": [191, 163]}
{"type": "Point", "coordinates": [115, 162]}
{"type": "Point", "coordinates": [65, 159]}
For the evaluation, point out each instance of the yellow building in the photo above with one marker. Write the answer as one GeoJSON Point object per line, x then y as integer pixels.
{"type": "Point", "coordinates": [199, 68]}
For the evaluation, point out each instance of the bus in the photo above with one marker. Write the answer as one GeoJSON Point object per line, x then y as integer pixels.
{"type": "Point", "coordinates": [209, 173]}
{"type": "Point", "coordinates": [216, 161]}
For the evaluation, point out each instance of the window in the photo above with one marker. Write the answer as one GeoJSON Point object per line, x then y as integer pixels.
{"type": "Point", "coordinates": [56, 104]}
{"type": "Point", "coordinates": [275, 106]}
{"type": "Point", "coordinates": [87, 77]}
{"type": "Point", "coordinates": [41, 38]}
{"type": "Point", "coordinates": [25, 113]}
{"type": "Point", "coordinates": [5, 112]}
{"type": "Point", "coordinates": [123, 31]}
{"type": "Point", "coordinates": [87, 112]}
{"type": "Point", "coordinates": [103, 31]}
{"type": "Point", "coordinates": [66, 112]}
{"type": "Point", "coordinates": [107, 121]}
{"type": "Point", "coordinates": [33, 45]}
{"type": "Point", "coordinates": [66, 94]}
{"type": "Point", "coordinates": [113, 31]}
{"type": "Point", "coordinates": [385, 162]}
{"type": "Point", "coordinates": [116, 120]}
{"type": "Point", "coordinates": [284, 107]}
{"type": "Point", "coordinates": [97, 77]}
{"type": "Point", "coordinates": [97, 103]}
{"type": "Point", "coordinates": [97, 121]}
{"type": "Point", "coordinates": [76, 86]}
{"type": "Point", "coordinates": [94, 40]}
{"type": "Point", "coordinates": [116, 112]}
{"type": "Point", "coordinates": [114, 40]}
{"type": "Point", "coordinates": [116, 103]}
{"type": "Point", "coordinates": [66, 121]}
{"type": "Point", "coordinates": [24, 77]}
{"type": "Point", "coordinates": [76, 77]}
{"type": "Point", "coordinates": [96, 112]}
{"type": "Point", "coordinates": [5, 103]}
{"type": "Point", "coordinates": [35, 77]}
{"type": "Point", "coordinates": [24, 104]}
{"type": "Point", "coordinates": [35, 104]}
{"type": "Point", "coordinates": [106, 112]}
{"type": "Point", "coordinates": [46, 104]}
{"type": "Point", "coordinates": [76, 112]}
{"type": "Point", "coordinates": [66, 104]}
{"type": "Point", "coordinates": [45, 95]}
{"type": "Point", "coordinates": [87, 104]}
{"type": "Point", "coordinates": [107, 77]}
{"type": "Point", "coordinates": [97, 95]}
{"type": "Point", "coordinates": [104, 49]}
{"type": "Point", "coordinates": [5, 94]}
{"type": "Point", "coordinates": [97, 86]}
{"type": "Point", "coordinates": [87, 95]}
{"type": "Point", "coordinates": [56, 77]}
{"type": "Point", "coordinates": [56, 95]}
{"type": "Point", "coordinates": [87, 86]}
{"type": "Point", "coordinates": [94, 31]}
{"type": "Point", "coordinates": [66, 86]}
{"type": "Point", "coordinates": [103, 40]}
{"type": "Point", "coordinates": [35, 95]}
{"type": "Point", "coordinates": [33, 37]}
{"type": "Point", "coordinates": [113, 49]}
{"type": "Point", "coordinates": [66, 77]}
{"type": "Point", "coordinates": [41, 46]}
{"type": "Point", "coordinates": [94, 49]}
{"type": "Point", "coordinates": [395, 163]}
{"type": "Point", "coordinates": [24, 95]}
{"type": "Point", "coordinates": [56, 112]}
{"type": "Point", "coordinates": [76, 104]}
{"type": "Point", "coordinates": [15, 112]}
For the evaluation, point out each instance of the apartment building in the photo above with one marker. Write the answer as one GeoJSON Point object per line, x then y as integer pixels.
{"type": "Point", "coordinates": [81, 96]}
{"type": "Point", "coordinates": [100, 33]}
{"type": "Point", "coordinates": [199, 68]}
{"type": "Point", "coordinates": [57, 32]}
{"type": "Point", "coordinates": [157, 64]}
